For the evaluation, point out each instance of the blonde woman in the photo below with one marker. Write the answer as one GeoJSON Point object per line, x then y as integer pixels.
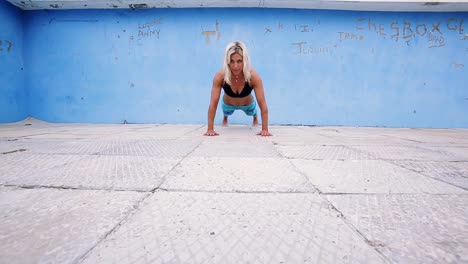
{"type": "Point", "coordinates": [237, 79]}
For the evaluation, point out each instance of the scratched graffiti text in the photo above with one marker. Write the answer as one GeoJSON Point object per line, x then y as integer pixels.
{"type": "Point", "coordinates": [5, 45]}
{"type": "Point", "coordinates": [407, 32]}
{"type": "Point", "coordinates": [147, 30]}
{"type": "Point", "coordinates": [304, 48]}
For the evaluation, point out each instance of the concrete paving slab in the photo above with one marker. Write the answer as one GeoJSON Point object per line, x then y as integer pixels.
{"type": "Point", "coordinates": [410, 228]}
{"type": "Point", "coordinates": [458, 152]}
{"type": "Point", "coordinates": [18, 165]}
{"type": "Point", "coordinates": [24, 132]}
{"type": "Point", "coordinates": [9, 145]}
{"type": "Point", "coordinates": [155, 148]}
{"type": "Point", "coordinates": [138, 173]}
{"type": "Point", "coordinates": [435, 136]}
{"type": "Point", "coordinates": [362, 136]}
{"type": "Point", "coordinates": [84, 132]}
{"type": "Point", "coordinates": [237, 175]}
{"type": "Point", "coordinates": [291, 135]}
{"type": "Point", "coordinates": [455, 173]}
{"type": "Point", "coordinates": [369, 176]}
{"type": "Point", "coordinates": [57, 226]}
{"type": "Point", "coordinates": [196, 171]}
{"type": "Point", "coordinates": [322, 152]}
{"type": "Point", "coordinates": [405, 153]}
{"type": "Point", "coordinates": [173, 227]}
{"type": "Point", "coordinates": [66, 146]}
{"type": "Point", "coordinates": [165, 131]}
{"type": "Point", "coordinates": [242, 149]}
{"type": "Point", "coordinates": [65, 136]}
{"type": "Point", "coordinates": [236, 132]}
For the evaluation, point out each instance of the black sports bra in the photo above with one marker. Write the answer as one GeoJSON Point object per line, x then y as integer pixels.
{"type": "Point", "coordinates": [246, 91]}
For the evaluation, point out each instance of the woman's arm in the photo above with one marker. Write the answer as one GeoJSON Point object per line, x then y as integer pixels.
{"type": "Point", "coordinates": [257, 84]}
{"type": "Point", "coordinates": [215, 94]}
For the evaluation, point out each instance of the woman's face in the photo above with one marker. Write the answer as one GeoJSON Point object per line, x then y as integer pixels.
{"type": "Point", "coordinates": [236, 65]}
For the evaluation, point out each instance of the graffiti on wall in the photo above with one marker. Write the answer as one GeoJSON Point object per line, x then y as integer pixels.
{"type": "Point", "coordinates": [304, 48]}
{"type": "Point", "coordinates": [269, 30]}
{"type": "Point", "coordinates": [5, 45]}
{"type": "Point", "coordinates": [147, 30]}
{"type": "Point", "coordinates": [435, 33]}
{"type": "Point", "coordinates": [209, 33]}
{"type": "Point", "coordinates": [301, 47]}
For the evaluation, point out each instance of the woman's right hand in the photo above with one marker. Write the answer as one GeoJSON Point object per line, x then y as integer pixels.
{"type": "Point", "coordinates": [211, 133]}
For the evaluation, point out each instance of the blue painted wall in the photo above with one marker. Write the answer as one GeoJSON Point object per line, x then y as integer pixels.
{"type": "Point", "coordinates": [318, 67]}
{"type": "Point", "coordinates": [12, 90]}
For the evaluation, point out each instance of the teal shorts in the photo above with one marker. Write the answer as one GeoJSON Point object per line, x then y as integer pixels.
{"type": "Point", "coordinates": [250, 110]}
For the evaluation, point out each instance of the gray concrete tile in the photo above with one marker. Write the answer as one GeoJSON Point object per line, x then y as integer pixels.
{"type": "Point", "coordinates": [163, 131]}
{"type": "Point", "coordinates": [237, 174]}
{"type": "Point", "coordinates": [9, 145]}
{"type": "Point", "coordinates": [292, 135]}
{"type": "Point", "coordinates": [20, 165]}
{"type": "Point", "coordinates": [405, 153]}
{"type": "Point", "coordinates": [369, 176]}
{"type": "Point", "coordinates": [460, 153]}
{"type": "Point", "coordinates": [242, 149]}
{"type": "Point", "coordinates": [57, 226]}
{"type": "Point", "coordinates": [66, 146]}
{"type": "Point", "coordinates": [155, 148]}
{"type": "Point", "coordinates": [205, 216]}
{"type": "Point", "coordinates": [322, 152]}
{"type": "Point", "coordinates": [434, 136]}
{"type": "Point", "coordinates": [237, 132]}
{"type": "Point", "coordinates": [362, 136]}
{"type": "Point", "coordinates": [103, 172]}
{"type": "Point", "coordinates": [25, 132]}
{"type": "Point", "coordinates": [410, 228]}
{"type": "Point", "coordinates": [455, 173]}
{"type": "Point", "coordinates": [234, 228]}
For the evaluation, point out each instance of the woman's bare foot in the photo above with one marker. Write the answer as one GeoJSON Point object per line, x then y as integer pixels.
{"type": "Point", "coordinates": [225, 121]}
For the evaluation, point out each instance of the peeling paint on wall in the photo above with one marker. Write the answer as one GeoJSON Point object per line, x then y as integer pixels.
{"type": "Point", "coordinates": [138, 6]}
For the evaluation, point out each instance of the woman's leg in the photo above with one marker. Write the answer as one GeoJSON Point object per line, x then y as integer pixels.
{"type": "Point", "coordinates": [255, 121]}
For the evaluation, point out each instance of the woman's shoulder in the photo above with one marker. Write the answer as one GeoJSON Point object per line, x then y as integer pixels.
{"type": "Point", "coordinates": [219, 76]}
{"type": "Point", "coordinates": [254, 76]}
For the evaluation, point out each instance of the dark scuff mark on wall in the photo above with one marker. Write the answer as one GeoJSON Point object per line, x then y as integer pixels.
{"type": "Point", "coordinates": [458, 65]}
{"type": "Point", "coordinates": [54, 6]}
{"type": "Point", "coordinates": [432, 3]}
{"type": "Point", "coordinates": [22, 4]}
{"type": "Point", "coordinates": [138, 6]}
{"type": "Point", "coordinates": [53, 20]}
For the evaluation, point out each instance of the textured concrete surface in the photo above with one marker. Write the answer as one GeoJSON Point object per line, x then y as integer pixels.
{"type": "Point", "coordinates": [159, 193]}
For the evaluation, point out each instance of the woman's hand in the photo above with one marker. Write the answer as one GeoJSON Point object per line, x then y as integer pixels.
{"type": "Point", "coordinates": [211, 133]}
{"type": "Point", "coordinates": [264, 133]}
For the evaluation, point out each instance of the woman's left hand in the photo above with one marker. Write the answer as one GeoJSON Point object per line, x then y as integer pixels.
{"type": "Point", "coordinates": [264, 133]}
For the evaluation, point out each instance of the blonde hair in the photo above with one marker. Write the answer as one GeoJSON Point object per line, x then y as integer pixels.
{"type": "Point", "coordinates": [239, 48]}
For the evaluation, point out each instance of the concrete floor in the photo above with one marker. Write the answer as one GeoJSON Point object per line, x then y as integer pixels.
{"type": "Point", "coordinates": [149, 193]}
